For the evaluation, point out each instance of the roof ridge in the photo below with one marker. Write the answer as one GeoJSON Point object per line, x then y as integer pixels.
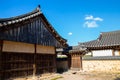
{"type": "Point", "coordinates": [21, 16]}
{"type": "Point", "coordinates": [87, 41]}
{"type": "Point", "coordinates": [116, 31]}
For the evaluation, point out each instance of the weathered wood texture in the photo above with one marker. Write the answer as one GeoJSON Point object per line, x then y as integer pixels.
{"type": "Point", "coordinates": [45, 63]}
{"type": "Point", "coordinates": [45, 49]}
{"type": "Point", "coordinates": [33, 31]}
{"type": "Point", "coordinates": [69, 61]}
{"type": "Point", "coordinates": [0, 60]}
{"type": "Point", "coordinates": [10, 46]}
{"type": "Point", "coordinates": [17, 64]}
{"type": "Point", "coordinates": [18, 59]}
{"type": "Point", "coordinates": [76, 62]}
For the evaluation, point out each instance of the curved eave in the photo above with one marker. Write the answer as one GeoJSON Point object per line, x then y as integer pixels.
{"type": "Point", "coordinates": [17, 19]}
{"type": "Point", "coordinates": [104, 47]}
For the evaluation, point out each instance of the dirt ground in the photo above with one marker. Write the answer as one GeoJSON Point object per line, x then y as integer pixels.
{"type": "Point", "coordinates": [77, 75]}
{"type": "Point", "coordinates": [70, 75]}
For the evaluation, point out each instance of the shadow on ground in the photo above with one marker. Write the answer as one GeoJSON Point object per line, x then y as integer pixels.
{"type": "Point", "coordinates": [118, 78]}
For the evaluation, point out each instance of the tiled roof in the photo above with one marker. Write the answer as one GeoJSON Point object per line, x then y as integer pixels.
{"type": "Point", "coordinates": [77, 49]}
{"type": "Point", "coordinates": [102, 58]}
{"type": "Point", "coordinates": [14, 20]}
{"type": "Point", "coordinates": [105, 39]}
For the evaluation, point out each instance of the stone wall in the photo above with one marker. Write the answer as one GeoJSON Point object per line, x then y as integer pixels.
{"type": "Point", "coordinates": [101, 65]}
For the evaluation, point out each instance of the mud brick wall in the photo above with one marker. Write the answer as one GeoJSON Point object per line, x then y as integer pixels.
{"type": "Point", "coordinates": [101, 65]}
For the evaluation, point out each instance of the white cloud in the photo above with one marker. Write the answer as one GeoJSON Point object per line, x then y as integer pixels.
{"type": "Point", "coordinates": [89, 17]}
{"type": "Point", "coordinates": [98, 19]}
{"type": "Point", "coordinates": [70, 33]}
{"type": "Point", "coordinates": [91, 21]}
{"type": "Point", "coordinates": [91, 24]}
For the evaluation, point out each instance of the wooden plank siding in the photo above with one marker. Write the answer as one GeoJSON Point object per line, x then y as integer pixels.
{"type": "Point", "coordinates": [32, 31]}
{"type": "Point", "coordinates": [24, 63]}
{"type": "Point", "coordinates": [76, 61]}
{"type": "Point", "coordinates": [10, 46]}
{"type": "Point", "coordinates": [17, 64]}
{"type": "Point", "coordinates": [45, 49]}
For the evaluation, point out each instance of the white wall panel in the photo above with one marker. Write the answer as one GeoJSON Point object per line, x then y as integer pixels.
{"type": "Point", "coordinates": [102, 53]}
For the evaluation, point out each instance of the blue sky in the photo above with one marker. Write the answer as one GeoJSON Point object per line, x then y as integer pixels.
{"type": "Point", "coordinates": [75, 20]}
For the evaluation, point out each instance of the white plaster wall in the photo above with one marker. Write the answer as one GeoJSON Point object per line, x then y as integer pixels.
{"type": "Point", "coordinates": [102, 53]}
{"type": "Point", "coordinates": [117, 53]}
{"type": "Point", "coordinates": [89, 53]}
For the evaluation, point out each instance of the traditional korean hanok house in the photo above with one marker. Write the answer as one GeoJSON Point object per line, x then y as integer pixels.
{"type": "Point", "coordinates": [107, 44]}
{"type": "Point", "coordinates": [28, 45]}
{"type": "Point", "coordinates": [103, 53]}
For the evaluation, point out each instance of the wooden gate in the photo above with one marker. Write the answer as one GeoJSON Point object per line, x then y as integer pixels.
{"type": "Point", "coordinates": [76, 61]}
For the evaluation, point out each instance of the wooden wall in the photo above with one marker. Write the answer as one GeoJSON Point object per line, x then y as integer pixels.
{"type": "Point", "coordinates": [18, 59]}
{"type": "Point", "coordinates": [33, 31]}
{"type": "Point", "coordinates": [0, 60]}
{"type": "Point", "coordinates": [10, 46]}
{"type": "Point", "coordinates": [45, 63]}
{"type": "Point", "coordinates": [21, 65]}
{"type": "Point", "coordinates": [45, 49]}
{"type": "Point", "coordinates": [17, 64]}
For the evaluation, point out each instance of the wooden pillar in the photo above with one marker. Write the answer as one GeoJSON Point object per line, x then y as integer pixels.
{"type": "Point", "coordinates": [119, 52]}
{"type": "Point", "coordinates": [72, 60]}
{"type": "Point", "coordinates": [34, 64]}
{"type": "Point", "coordinates": [1, 74]}
{"type": "Point", "coordinates": [113, 52]}
{"type": "Point", "coordinates": [81, 63]}
{"type": "Point", "coordinates": [91, 53]}
{"type": "Point", "coordinates": [55, 62]}
{"type": "Point", "coordinates": [69, 61]}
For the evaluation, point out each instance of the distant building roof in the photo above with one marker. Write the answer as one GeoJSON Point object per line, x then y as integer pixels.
{"type": "Point", "coordinates": [105, 40]}
{"type": "Point", "coordinates": [75, 49]}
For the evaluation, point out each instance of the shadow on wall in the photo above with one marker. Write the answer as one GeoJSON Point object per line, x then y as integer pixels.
{"type": "Point", "coordinates": [62, 65]}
